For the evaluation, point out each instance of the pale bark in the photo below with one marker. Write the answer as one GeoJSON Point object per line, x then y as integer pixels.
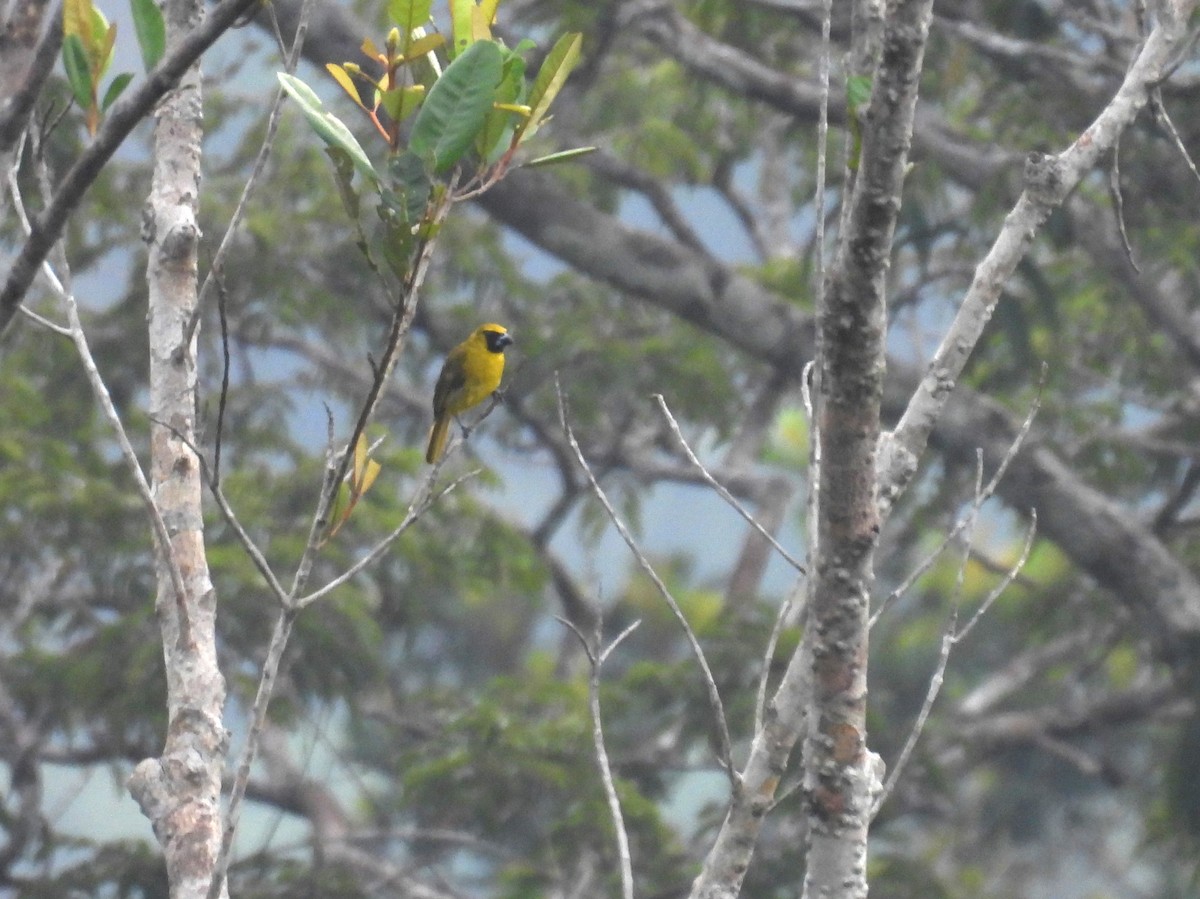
{"type": "Point", "coordinates": [180, 791]}
{"type": "Point", "coordinates": [838, 779]}
{"type": "Point", "coordinates": [1048, 182]}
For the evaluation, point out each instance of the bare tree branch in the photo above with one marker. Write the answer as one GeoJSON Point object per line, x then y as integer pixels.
{"type": "Point", "coordinates": [1048, 181]}
{"type": "Point", "coordinates": [596, 656]}
{"type": "Point", "coordinates": [179, 791]}
{"type": "Point", "coordinates": [725, 756]}
{"type": "Point", "coordinates": [17, 106]}
{"type": "Point", "coordinates": [839, 772]}
{"type": "Point", "coordinates": [717, 486]}
{"type": "Point", "coordinates": [120, 120]}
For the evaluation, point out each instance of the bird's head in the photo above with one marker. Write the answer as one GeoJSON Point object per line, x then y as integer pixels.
{"type": "Point", "coordinates": [496, 337]}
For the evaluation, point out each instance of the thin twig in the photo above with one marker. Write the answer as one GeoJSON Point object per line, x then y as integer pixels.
{"type": "Point", "coordinates": [980, 498]}
{"type": "Point", "coordinates": [714, 696]}
{"type": "Point", "coordinates": [1164, 122]}
{"type": "Point", "coordinates": [258, 717]}
{"type": "Point", "coordinates": [953, 635]}
{"type": "Point", "coordinates": [937, 678]}
{"type": "Point", "coordinates": [223, 318]}
{"type": "Point", "coordinates": [597, 656]}
{"type": "Point", "coordinates": [336, 468]}
{"type": "Point", "coordinates": [338, 464]}
{"type": "Point", "coordinates": [248, 544]}
{"type": "Point", "coordinates": [420, 504]}
{"type": "Point", "coordinates": [120, 120]}
{"type": "Point", "coordinates": [289, 609]}
{"type": "Point", "coordinates": [1003, 585]}
{"type": "Point", "coordinates": [216, 269]}
{"type": "Point", "coordinates": [75, 331]}
{"type": "Point", "coordinates": [18, 107]}
{"type": "Point", "coordinates": [260, 162]}
{"type": "Point", "coordinates": [935, 687]}
{"type": "Point", "coordinates": [62, 330]}
{"type": "Point", "coordinates": [14, 190]}
{"type": "Point", "coordinates": [1118, 201]}
{"type": "Point", "coordinates": [720, 488]}
{"type": "Point", "coordinates": [760, 701]}
{"type": "Point", "coordinates": [822, 153]}
{"type": "Point", "coordinates": [951, 638]}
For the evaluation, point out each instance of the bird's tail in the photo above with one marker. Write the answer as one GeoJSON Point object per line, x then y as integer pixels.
{"type": "Point", "coordinates": [437, 438]}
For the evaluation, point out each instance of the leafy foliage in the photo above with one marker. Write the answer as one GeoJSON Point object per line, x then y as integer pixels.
{"type": "Point", "coordinates": [448, 708]}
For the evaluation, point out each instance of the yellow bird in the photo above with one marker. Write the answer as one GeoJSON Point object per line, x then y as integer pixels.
{"type": "Point", "coordinates": [470, 374]}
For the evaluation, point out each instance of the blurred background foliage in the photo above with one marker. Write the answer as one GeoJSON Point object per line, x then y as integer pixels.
{"type": "Point", "coordinates": [431, 727]}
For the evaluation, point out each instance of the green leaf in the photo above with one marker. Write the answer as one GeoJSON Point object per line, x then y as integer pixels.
{"type": "Point", "coordinates": [401, 102]}
{"type": "Point", "coordinates": [411, 184]}
{"type": "Point", "coordinates": [328, 126]}
{"type": "Point", "coordinates": [99, 30]}
{"type": "Point", "coordinates": [114, 90]}
{"type": "Point", "coordinates": [551, 77]}
{"type": "Point", "coordinates": [858, 92]}
{"type": "Point", "coordinates": [343, 170]}
{"type": "Point", "coordinates": [563, 156]}
{"type": "Point", "coordinates": [457, 106]}
{"type": "Point", "coordinates": [150, 30]}
{"type": "Point", "coordinates": [393, 242]}
{"type": "Point", "coordinates": [858, 95]}
{"type": "Point", "coordinates": [105, 45]}
{"type": "Point", "coordinates": [407, 15]}
{"type": "Point", "coordinates": [500, 121]}
{"type": "Point", "coordinates": [79, 75]}
{"type": "Point", "coordinates": [460, 24]}
{"type": "Point", "coordinates": [424, 45]}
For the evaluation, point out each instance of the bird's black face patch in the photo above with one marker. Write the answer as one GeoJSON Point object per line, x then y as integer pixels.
{"type": "Point", "coordinates": [496, 342]}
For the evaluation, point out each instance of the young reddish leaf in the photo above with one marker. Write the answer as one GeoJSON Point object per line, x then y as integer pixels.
{"type": "Point", "coordinates": [342, 77]}
{"type": "Point", "coordinates": [360, 463]}
{"type": "Point", "coordinates": [98, 27]}
{"type": "Point", "coordinates": [369, 475]}
{"type": "Point", "coordinates": [77, 18]}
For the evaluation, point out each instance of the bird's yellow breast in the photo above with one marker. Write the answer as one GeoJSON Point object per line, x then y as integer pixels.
{"type": "Point", "coordinates": [483, 370]}
{"type": "Point", "coordinates": [472, 371]}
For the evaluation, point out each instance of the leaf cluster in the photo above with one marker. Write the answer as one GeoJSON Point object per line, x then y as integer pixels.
{"type": "Point", "coordinates": [87, 52]}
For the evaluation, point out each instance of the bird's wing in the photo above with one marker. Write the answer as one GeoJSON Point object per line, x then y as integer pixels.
{"type": "Point", "coordinates": [452, 379]}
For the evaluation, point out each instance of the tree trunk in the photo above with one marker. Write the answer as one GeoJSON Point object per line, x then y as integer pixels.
{"type": "Point", "coordinates": [180, 792]}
